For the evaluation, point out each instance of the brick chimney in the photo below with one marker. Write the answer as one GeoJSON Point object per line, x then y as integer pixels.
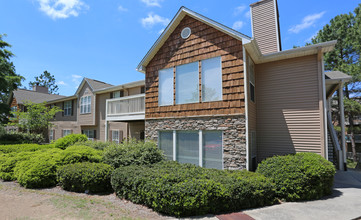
{"type": "Point", "coordinates": [265, 25]}
{"type": "Point", "coordinates": [41, 89]}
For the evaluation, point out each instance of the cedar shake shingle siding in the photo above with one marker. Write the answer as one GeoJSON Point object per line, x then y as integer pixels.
{"type": "Point", "coordinates": [289, 116]}
{"type": "Point", "coordinates": [205, 42]}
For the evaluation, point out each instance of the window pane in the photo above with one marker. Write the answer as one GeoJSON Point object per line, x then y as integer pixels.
{"type": "Point", "coordinates": [165, 93]}
{"type": "Point", "coordinates": [188, 147]}
{"type": "Point", "coordinates": [251, 88]}
{"type": "Point", "coordinates": [212, 79]}
{"type": "Point", "coordinates": [212, 149]}
{"type": "Point", "coordinates": [166, 143]}
{"type": "Point", "coordinates": [116, 94]}
{"type": "Point", "coordinates": [187, 82]}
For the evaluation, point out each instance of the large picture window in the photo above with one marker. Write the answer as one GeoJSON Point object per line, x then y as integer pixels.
{"type": "Point", "coordinates": [165, 82]}
{"type": "Point", "coordinates": [166, 143]}
{"type": "Point", "coordinates": [212, 79]}
{"type": "Point", "coordinates": [187, 83]}
{"type": "Point", "coordinates": [203, 148]}
{"type": "Point", "coordinates": [85, 104]}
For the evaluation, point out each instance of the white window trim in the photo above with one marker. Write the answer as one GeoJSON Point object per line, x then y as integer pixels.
{"type": "Point", "coordinates": [200, 145]}
{"type": "Point", "coordinates": [68, 109]}
{"type": "Point", "coordinates": [115, 140]}
{"type": "Point", "coordinates": [85, 104]}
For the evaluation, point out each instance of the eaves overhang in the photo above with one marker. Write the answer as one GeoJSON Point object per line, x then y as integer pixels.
{"type": "Point", "coordinates": [183, 11]}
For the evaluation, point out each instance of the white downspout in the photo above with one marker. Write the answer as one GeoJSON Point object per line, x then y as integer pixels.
{"type": "Point", "coordinates": [342, 123]}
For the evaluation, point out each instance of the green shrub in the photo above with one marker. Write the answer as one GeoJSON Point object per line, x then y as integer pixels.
{"type": "Point", "coordinates": [97, 145]}
{"type": "Point", "coordinates": [8, 163]}
{"type": "Point", "coordinates": [185, 190]}
{"type": "Point", "coordinates": [303, 176]}
{"type": "Point", "coordinates": [36, 173]}
{"type": "Point", "coordinates": [24, 147]}
{"type": "Point", "coordinates": [69, 140]}
{"type": "Point", "coordinates": [22, 138]}
{"type": "Point", "coordinates": [132, 152]}
{"type": "Point", "coordinates": [76, 154]}
{"type": "Point", "coordinates": [82, 177]}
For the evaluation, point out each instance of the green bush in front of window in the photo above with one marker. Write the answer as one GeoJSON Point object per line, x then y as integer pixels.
{"type": "Point", "coordinates": [85, 177]}
{"type": "Point", "coordinates": [301, 176]}
{"type": "Point", "coordinates": [132, 152]}
{"type": "Point", "coordinates": [69, 140]}
{"type": "Point", "coordinates": [186, 190]}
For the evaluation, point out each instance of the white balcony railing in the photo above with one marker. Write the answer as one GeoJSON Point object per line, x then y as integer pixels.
{"type": "Point", "coordinates": [126, 108]}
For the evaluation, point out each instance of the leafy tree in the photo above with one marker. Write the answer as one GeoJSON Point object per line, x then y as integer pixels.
{"type": "Point", "coordinates": [47, 80]}
{"type": "Point", "coordinates": [37, 119]}
{"type": "Point", "coordinates": [9, 80]}
{"type": "Point", "coordinates": [346, 29]}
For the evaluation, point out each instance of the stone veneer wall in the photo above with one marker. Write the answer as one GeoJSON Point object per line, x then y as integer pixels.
{"type": "Point", "coordinates": [233, 127]}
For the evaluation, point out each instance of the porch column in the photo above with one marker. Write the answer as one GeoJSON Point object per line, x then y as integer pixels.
{"type": "Point", "coordinates": [106, 131]}
{"type": "Point", "coordinates": [342, 123]}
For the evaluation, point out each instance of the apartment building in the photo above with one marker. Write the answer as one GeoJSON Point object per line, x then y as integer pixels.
{"type": "Point", "coordinates": [220, 99]}
{"type": "Point", "coordinates": [101, 111]}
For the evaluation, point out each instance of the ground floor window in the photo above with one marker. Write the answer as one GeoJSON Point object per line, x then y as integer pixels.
{"type": "Point", "coordinates": [203, 148]}
{"type": "Point", "coordinates": [51, 135]}
{"type": "Point", "coordinates": [91, 134]}
{"type": "Point", "coordinates": [115, 136]}
{"type": "Point", "coordinates": [66, 132]}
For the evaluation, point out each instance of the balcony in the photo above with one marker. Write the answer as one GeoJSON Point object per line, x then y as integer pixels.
{"type": "Point", "coordinates": [126, 108]}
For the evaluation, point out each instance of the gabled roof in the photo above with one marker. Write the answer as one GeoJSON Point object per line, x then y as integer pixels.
{"type": "Point", "coordinates": [94, 85]}
{"type": "Point", "coordinates": [23, 95]}
{"type": "Point", "coordinates": [183, 11]}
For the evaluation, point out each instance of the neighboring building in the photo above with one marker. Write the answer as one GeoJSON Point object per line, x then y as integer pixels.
{"type": "Point", "coordinates": [20, 97]}
{"type": "Point", "coordinates": [101, 111]}
{"type": "Point", "coordinates": [220, 99]}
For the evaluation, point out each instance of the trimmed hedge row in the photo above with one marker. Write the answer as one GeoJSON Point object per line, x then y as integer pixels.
{"type": "Point", "coordinates": [85, 177]}
{"type": "Point", "coordinates": [132, 152]}
{"type": "Point", "coordinates": [303, 176]}
{"type": "Point", "coordinates": [21, 138]}
{"type": "Point", "coordinates": [37, 169]}
{"type": "Point", "coordinates": [23, 147]}
{"type": "Point", "coordinates": [69, 140]}
{"type": "Point", "coordinates": [185, 190]}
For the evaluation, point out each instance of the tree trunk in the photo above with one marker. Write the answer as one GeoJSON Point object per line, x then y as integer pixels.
{"type": "Point", "coordinates": [350, 129]}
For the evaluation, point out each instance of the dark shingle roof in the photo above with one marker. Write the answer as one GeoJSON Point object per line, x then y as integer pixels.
{"type": "Point", "coordinates": [23, 95]}
{"type": "Point", "coordinates": [96, 84]}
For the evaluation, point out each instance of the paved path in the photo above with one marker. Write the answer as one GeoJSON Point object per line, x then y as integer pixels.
{"type": "Point", "coordinates": [344, 203]}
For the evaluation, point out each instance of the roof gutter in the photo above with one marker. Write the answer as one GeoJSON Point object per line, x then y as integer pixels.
{"type": "Point", "coordinates": [258, 57]}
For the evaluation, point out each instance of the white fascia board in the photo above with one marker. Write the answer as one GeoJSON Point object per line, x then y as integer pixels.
{"type": "Point", "coordinates": [174, 23]}
{"type": "Point", "coordinates": [123, 86]}
{"type": "Point", "coordinates": [258, 57]}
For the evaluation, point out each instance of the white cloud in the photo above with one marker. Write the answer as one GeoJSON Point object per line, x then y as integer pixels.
{"type": "Point", "coordinates": [238, 25]}
{"type": "Point", "coordinates": [152, 3]}
{"type": "Point", "coordinates": [76, 78]}
{"type": "Point", "coordinates": [121, 8]}
{"type": "Point", "coordinates": [307, 21]}
{"type": "Point", "coordinates": [62, 8]}
{"type": "Point", "coordinates": [62, 83]}
{"type": "Point", "coordinates": [247, 14]}
{"type": "Point", "coordinates": [238, 10]}
{"type": "Point", "coordinates": [153, 19]}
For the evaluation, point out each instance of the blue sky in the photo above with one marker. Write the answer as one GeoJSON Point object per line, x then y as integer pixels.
{"type": "Point", "coordinates": [106, 39]}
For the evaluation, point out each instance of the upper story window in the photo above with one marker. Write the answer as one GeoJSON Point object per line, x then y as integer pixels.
{"type": "Point", "coordinates": [85, 104]}
{"type": "Point", "coordinates": [165, 87]}
{"type": "Point", "coordinates": [212, 79]}
{"type": "Point", "coordinates": [117, 94]}
{"type": "Point", "coordinates": [252, 80]}
{"type": "Point", "coordinates": [142, 89]}
{"type": "Point", "coordinates": [68, 108]}
{"type": "Point", "coordinates": [187, 81]}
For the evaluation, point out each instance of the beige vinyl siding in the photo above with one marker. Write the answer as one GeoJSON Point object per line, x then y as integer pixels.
{"type": "Point", "coordinates": [264, 26]}
{"type": "Point", "coordinates": [252, 114]}
{"type": "Point", "coordinates": [88, 118]}
{"type": "Point", "coordinates": [60, 117]}
{"type": "Point", "coordinates": [289, 116]}
{"type": "Point", "coordinates": [59, 126]}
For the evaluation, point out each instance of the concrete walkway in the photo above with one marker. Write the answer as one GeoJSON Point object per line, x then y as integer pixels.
{"type": "Point", "coordinates": [344, 203]}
